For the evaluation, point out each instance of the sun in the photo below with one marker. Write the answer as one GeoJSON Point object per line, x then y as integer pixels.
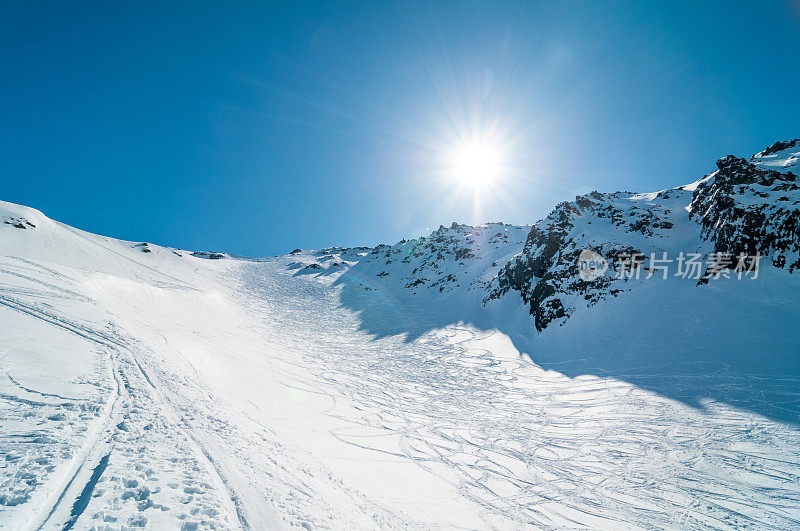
{"type": "Point", "coordinates": [477, 165]}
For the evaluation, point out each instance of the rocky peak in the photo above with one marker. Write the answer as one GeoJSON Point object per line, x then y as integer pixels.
{"type": "Point", "coordinates": [453, 258]}
{"type": "Point", "coordinates": [781, 156]}
{"type": "Point", "coordinates": [777, 147]}
{"type": "Point", "coordinates": [747, 208]}
{"type": "Point", "coordinates": [615, 224]}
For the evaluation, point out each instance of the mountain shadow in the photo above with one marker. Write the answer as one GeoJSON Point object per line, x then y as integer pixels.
{"type": "Point", "coordinates": [731, 341]}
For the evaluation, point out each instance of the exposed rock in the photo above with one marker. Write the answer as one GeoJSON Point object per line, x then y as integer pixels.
{"type": "Point", "coordinates": [739, 211]}
{"type": "Point", "coordinates": [19, 223]}
{"type": "Point", "coordinates": [208, 255]}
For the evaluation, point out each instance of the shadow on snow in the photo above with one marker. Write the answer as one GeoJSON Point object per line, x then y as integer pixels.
{"type": "Point", "coordinates": [732, 341]}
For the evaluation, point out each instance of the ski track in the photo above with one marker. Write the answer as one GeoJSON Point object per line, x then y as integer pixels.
{"type": "Point", "coordinates": [73, 497]}
{"type": "Point", "coordinates": [537, 447]}
{"type": "Point", "coordinates": [157, 446]}
{"type": "Point", "coordinates": [112, 464]}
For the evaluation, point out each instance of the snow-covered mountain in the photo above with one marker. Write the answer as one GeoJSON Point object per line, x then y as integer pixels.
{"type": "Point", "coordinates": [631, 360]}
{"type": "Point", "coordinates": [748, 207]}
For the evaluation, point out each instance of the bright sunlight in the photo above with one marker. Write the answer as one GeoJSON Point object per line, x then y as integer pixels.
{"type": "Point", "coordinates": [477, 165]}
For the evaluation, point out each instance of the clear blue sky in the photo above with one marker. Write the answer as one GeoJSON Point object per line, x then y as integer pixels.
{"type": "Point", "coordinates": [258, 127]}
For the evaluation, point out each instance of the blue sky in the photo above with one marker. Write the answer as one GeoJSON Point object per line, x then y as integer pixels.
{"type": "Point", "coordinates": [258, 127]}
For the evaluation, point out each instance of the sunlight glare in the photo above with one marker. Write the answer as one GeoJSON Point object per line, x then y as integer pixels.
{"type": "Point", "coordinates": [477, 165]}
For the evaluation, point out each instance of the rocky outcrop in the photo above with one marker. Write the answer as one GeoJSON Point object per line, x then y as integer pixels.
{"type": "Point", "coordinates": [779, 146]}
{"type": "Point", "coordinates": [746, 210]}
{"type": "Point", "coordinates": [451, 259]}
{"type": "Point", "coordinates": [208, 255]}
{"type": "Point", "coordinates": [19, 223]}
{"type": "Point", "coordinates": [546, 275]}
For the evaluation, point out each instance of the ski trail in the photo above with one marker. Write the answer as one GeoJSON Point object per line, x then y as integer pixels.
{"type": "Point", "coordinates": [62, 500]}
{"type": "Point", "coordinates": [231, 501]}
{"type": "Point", "coordinates": [180, 284]}
{"type": "Point", "coordinates": [529, 445]}
{"type": "Point", "coordinates": [40, 393]}
{"type": "Point", "coordinates": [97, 448]}
{"type": "Point", "coordinates": [83, 499]}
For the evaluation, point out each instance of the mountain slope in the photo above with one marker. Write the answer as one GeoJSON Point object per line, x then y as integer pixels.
{"type": "Point", "coordinates": [473, 378]}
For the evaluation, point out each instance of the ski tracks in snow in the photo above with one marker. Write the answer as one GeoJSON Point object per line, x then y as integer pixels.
{"type": "Point", "coordinates": [149, 443]}
{"type": "Point", "coordinates": [530, 446]}
{"type": "Point", "coordinates": [119, 458]}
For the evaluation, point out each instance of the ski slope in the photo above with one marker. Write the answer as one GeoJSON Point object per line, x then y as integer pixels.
{"type": "Point", "coordinates": [142, 386]}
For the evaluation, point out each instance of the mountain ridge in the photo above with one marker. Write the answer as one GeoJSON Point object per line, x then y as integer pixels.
{"type": "Point", "coordinates": [716, 214]}
{"type": "Point", "coordinates": [746, 206]}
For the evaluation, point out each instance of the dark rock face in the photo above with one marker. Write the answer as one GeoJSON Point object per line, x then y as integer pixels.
{"type": "Point", "coordinates": [747, 210]}
{"type": "Point", "coordinates": [545, 273]}
{"type": "Point", "coordinates": [538, 272]}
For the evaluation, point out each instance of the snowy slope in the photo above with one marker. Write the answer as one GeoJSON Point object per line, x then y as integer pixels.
{"type": "Point", "coordinates": [467, 379]}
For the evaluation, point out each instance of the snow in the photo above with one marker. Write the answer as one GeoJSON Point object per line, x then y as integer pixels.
{"type": "Point", "coordinates": [168, 390]}
{"type": "Point", "coordinates": [785, 159]}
